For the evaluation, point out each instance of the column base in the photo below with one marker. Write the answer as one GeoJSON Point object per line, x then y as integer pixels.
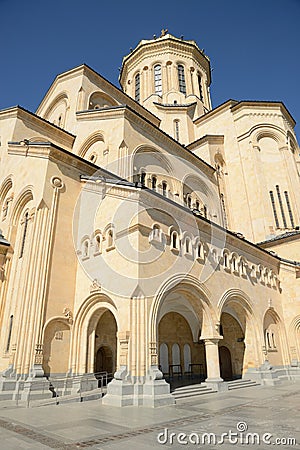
{"type": "Point", "coordinates": [151, 391]}
{"type": "Point", "coordinates": [217, 384]}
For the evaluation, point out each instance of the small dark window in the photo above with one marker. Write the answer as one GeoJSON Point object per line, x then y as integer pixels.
{"type": "Point", "coordinates": [181, 79]}
{"type": "Point", "coordinates": [9, 332]}
{"type": "Point", "coordinates": [289, 208]}
{"type": "Point", "coordinates": [200, 87]}
{"type": "Point", "coordinates": [281, 206]}
{"type": "Point", "coordinates": [274, 209]}
{"type": "Point", "coordinates": [137, 87]}
{"type": "Point", "coordinates": [154, 183]}
{"type": "Point", "coordinates": [164, 188]}
{"type": "Point", "coordinates": [157, 79]}
{"type": "Point", "coordinates": [143, 178]}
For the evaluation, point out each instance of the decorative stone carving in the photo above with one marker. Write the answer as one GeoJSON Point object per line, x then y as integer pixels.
{"type": "Point", "coordinates": [95, 286]}
{"type": "Point", "coordinates": [68, 314]}
{"type": "Point", "coordinates": [153, 354]}
{"type": "Point", "coordinates": [57, 182]}
{"type": "Point", "coordinates": [38, 357]}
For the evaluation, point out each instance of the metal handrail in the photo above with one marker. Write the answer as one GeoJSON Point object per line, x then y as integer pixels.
{"type": "Point", "coordinates": [55, 381]}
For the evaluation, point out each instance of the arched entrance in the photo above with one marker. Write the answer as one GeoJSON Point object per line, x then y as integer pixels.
{"type": "Point", "coordinates": [104, 360]}
{"type": "Point", "coordinates": [225, 363]}
{"type": "Point", "coordinates": [240, 330]}
{"type": "Point", "coordinates": [231, 347]}
{"type": "Point", "coordinates": [105, 335]}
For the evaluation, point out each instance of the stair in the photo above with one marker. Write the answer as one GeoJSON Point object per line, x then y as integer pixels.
{"type": "Point", "coordinates": [192, 391]}
{"type": "Point", "coordinates": [240, 384]}
{"type": "Point", "coordinates": [70, 398]}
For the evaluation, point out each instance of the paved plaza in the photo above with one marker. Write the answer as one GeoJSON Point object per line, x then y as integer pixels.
{"type": "Point", "coordinates": [261, 416]}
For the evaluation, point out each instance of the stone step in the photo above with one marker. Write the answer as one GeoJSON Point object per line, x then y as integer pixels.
{"type": "Point", "coordinates": [239, 384]}
{"type": "Point", "coordinates": [192, 391]}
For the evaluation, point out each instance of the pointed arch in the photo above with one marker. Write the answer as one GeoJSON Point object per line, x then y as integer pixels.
{"type": "Point", "coordinates": [92, 305]}
{"type": "Point", "coordinates": [199, 297]}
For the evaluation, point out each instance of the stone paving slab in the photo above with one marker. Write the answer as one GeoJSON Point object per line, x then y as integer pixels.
{"type": "Point", "coordinates": [92, 425]}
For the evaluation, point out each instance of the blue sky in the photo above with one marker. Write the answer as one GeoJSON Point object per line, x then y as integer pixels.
{"type": "Point", "coordinates": [253, 45]}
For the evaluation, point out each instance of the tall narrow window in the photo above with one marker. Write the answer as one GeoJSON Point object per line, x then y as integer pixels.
{"type": "Point", "coordinates": [200, 87]}
{"type": "Point", "coordinates": [154, 183]}
{"type": "Point", "coordinates": [176, 129]}
{"type": "Point", "coordinates": [157, 79]}
{"type": "Point", "coordinates": [281, 206]}
{"type": "Point", "coordinates": [274, 209]}
{"type": "Point", "coordinates": [9, 332]}
{"type": "Point", "coordinates": [181, 79]}
{"type": "Point", "coordinates": [137, 87]}
{"type": "Point", "coordinates": [224, 211]}
{"type": "Point", "coordinates": [143, 178]}
{"type": "Point", "coordinates": [164, 188]}
{"type": "Point", "coordinates": [289, 208]}
{"type": "Point", "coordinates": [205, 211]}
{"type": "Point", "coordinates": [26, 220]}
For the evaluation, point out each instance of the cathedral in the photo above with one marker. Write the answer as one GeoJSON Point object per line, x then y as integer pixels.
{"type": "Point", "coordinates": [147, 235]}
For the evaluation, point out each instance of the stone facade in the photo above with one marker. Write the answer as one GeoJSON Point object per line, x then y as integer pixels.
{"type": "Point", "coordinates": [146, 234]}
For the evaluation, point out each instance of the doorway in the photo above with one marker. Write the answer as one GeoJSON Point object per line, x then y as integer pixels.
{"type": "Point", "coordinates": [225, 363]}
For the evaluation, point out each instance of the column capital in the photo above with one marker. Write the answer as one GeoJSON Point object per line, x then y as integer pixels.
{"type": "Point", "coordinates": [211, 339]}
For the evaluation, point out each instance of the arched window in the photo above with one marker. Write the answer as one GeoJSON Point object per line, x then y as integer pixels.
{"type": "Point", "coordinates": [164, 358]}
{"type": "Point", "coordinates": [200, 86]}
{"type": "Point", "coordinates": [110, 238]}
{"type": "Point", "coordinates": [154, 182]}
{"type": "Point", "coordinates": [98, 243]}
{"type": "Point", "coordinates": [205, 211]}
{"type": "Point", "coordinates": [187, 358]}
{"type": "Point", "coordinates": [197, 205]}
{"type": "Point", "coordinates": [25, 227]}
{"type": "Point", "coordinates": [137, 87]}
{"type": "Point", "coordinates": [176, 129]}
{"type": "Point", "coordinates": [226, 260]}
{"type": "Point", "coordinates": [85, 252]}
{"type": "Point", "coordinates": [157, 79]}
{"type": "Point", "coordinates": [187, 245]}
{"type": "Point", "coordinates": [164, 188]}
{"type": "Point", "coordinates": [181, 79]}
{"type": "Point", "coordinates": [174, 240]}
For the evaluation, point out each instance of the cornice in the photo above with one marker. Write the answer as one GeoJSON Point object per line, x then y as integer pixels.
{"type": "Point", "coordinates": [169, 43]}
{"type": "Point", "coordinates": [208, 138]}
{"type": "Point", "coordinates": [41, 125]}
{"type": "Point", "coordinates": [264, 105]}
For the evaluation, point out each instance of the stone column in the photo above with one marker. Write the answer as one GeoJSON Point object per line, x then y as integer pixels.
{"type": "Point", "coordinates": [212, 362]}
